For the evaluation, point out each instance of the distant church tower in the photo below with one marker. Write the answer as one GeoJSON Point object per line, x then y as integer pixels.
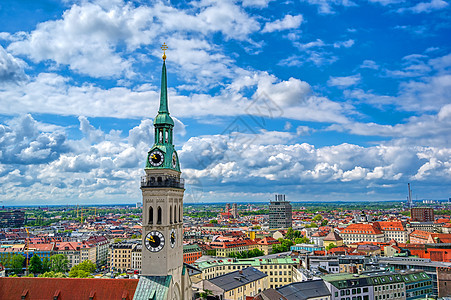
{"type": "Point", "coordinates": [162, 224]}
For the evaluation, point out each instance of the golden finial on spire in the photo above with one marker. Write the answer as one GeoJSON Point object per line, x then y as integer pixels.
{"type": "Point", "coordinates": [164, 47]}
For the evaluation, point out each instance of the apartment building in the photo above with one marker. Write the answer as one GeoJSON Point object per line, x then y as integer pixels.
{"type": "Point", "coordinates": [136, 255]}
{"type": "Point", "coordinates": [121, 256]}
{"type": "Point", "coordinates": [225, 248]}
{"type": "Point", "coordinates": [76, 252]}
{"type": "Point", "coordinates": [191, 253]}
{"type": "Point", "coordinates": [279, 270]}
{"type": "Point", "coordinates": [101, 245]}
{"type": "Point", "coordinates": [405, 285]}
{"type": "Point", "coordinates": [393, 230]}
{"type": "Point", "coordinates": [362, 233]}
{"type": "Point", "coordinates": [238, 285]}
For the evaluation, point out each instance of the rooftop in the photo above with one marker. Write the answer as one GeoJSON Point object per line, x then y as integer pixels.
{"type": "Point", "coordinates": [233, 280]}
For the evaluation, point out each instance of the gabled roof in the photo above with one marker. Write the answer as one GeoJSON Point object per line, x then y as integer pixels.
{"type": "Point", "coordinates": [391, 225]}
{"type": "Point", "coordinates": [268, 241]}
{"type": "Point", "coordinates": [270, 294]}
{"type": "Point", "coordinates": [236, 279]}
{"type": "Point", "coordinates": [66, 288]}
{"type": "Point", "coordinates": [361, 229]}
{"type": "Point", "coordinates": [153, 288]}
{"type": "Point", "coordinates": [304, 290]}
{"type": "Point", "coordinates": [332, 236]}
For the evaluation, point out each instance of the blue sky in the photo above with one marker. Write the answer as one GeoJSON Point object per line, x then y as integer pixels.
{"type": "Point", "coordinates": [316, 99]}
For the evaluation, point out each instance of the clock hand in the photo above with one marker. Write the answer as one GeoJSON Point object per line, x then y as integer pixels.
{"type": "Point", "coordinates": [151, 239]}
{"type": "Point", "coordinates": [153, 156]}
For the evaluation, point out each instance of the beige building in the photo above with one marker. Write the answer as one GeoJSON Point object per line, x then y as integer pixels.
{"type": "Point", "coordinates": [237, 285]}
{"type": "Point", "coordinates": [266, 244]}
{"type": "Point", "coordinates": [76, 252]}
{"type": "Point", "coordinates": [355, 233]}
{"type": "Point", "coordinates": [121, 256]}
{"type": "Point", "coordinates": [332, 238]}
{"type": "Point", "coordinates": [136, 257]}
{"type": "Point", "coordinates": [225, 248]}
{"type": "Point", "coordinates": [280, 271]}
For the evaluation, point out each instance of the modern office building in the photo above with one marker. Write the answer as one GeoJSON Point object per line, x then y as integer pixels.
{"type": "Point", "coordinates": [280, 213]}
{"type": "Point", "coordinates": [12, 218]}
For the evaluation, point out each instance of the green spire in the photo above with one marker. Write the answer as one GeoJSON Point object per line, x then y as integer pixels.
{"type": "Point", "coordinates": [164, 91]}
{"type": "Point", "coordinates": [163, 113]}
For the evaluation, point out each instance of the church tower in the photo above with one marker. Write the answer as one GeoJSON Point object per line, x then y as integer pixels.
{"type": "Point", "coordinates": [162, 191]}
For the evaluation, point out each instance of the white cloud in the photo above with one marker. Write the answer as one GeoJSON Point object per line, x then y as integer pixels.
{"type": "Point", "coordinates": [344, 44]}
{"type": "Point", "coordinates": [256, 3]}
{"type": "Point", "coordinates": [426, 7]}
{"type": "Point", "coordinates": [90, 37]}
{"type": "Point", "coordinates": [11, 68]}
{"type": "Point", "coordinates": [345, 81]}
{"type": "Point", "coordinates": [369, 64]}
{"type": "Point", "coordinates": [288, 22]}
{"type": "Point", "coordinates": [326, 6]}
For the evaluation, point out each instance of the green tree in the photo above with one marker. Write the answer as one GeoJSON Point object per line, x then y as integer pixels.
{"type": "Point", "coordinates": [302, 240]}
{"type": "Point", "coordinates": [330, 246]}
{"type": "Point", "coordinates": [205, 294]}
{"type": "Point", "coordinates": [59, 263]}
{"type": "Point", "coordinates": [83, 269]}
{"type": "Point", "coordinates": [317, 218]}
{"type": "Point", "coordinates": [17, 263]}
{"type": "Point", "coordinates": [284, 246]}
{"type": "Point", "coordinates": [312, 224]}
{"type": "Point", "coordinates": [35, 264]}
{"type": "Point", "coordinates": [213, 221]}
{"type": "Point", "coordinates": [6, 260]}
{"type": "Point", "coordinates": [324, 223]}
{"type": "Point", "coordinates": [46, 265]}
{"type": "Point", "coordinates": [290, 234]}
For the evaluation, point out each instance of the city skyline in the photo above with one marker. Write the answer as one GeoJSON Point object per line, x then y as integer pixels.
{"type": "Point", "coordinates": [318, 100]}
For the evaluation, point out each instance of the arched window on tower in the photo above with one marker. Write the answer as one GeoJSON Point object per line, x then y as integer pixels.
{"type": "Point", "coordinates": [170, 214]}
{"type": "Point", "coordinates": [180, 214]}
{"type": "Point", "coordinates": [167, 135]}
{"type": "Point", "coordinates": [151, 215]}
{"type": "Point", "coordinates": [175, 213]}
{"type": "Point", "coordinates": [161, 136]}
{"type": "Point", "coordinates": [159, 215]}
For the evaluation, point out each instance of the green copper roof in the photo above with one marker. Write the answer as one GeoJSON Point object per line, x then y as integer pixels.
{"type": "Point", "coordinates": [152, 288]}
{"type": "Point", "coordinates": [253, 262]}
{"type": "Point", "coordinates": [163, 113]}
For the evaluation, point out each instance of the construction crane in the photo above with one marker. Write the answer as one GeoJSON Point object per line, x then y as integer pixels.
{"type": "Point", "coordinates": [27, 245]}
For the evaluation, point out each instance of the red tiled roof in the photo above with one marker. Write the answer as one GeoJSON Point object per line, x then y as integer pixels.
{"type": "Point", "coordinates": [362, 229]}
{"type": "Point", "coordinates": [41, 247]}
{"type": "Point", "coordinates": [420, 234]}
{"type": "Point", "coordinates": [268, 241]}
{"type": "Point", "coordinates": [391, 226]}
{"type": "Point", "coordinates": [68, 288]}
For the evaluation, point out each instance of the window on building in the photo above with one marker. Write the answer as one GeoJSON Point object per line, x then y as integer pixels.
{"type": "Point", "coordinates": [151, 215]}
{"type": "Point", "coordinates": [159, 213]}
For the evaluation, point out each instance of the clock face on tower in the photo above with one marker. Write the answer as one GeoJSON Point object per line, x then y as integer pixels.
{"type": "Point", "coordinates": [154, 241]}
{"type": "Point", "coordinates": [156, 158]}
{"type": "Point", "coordinates": [174, 160]}
{"type": "Point", "coordinates": [172, 238]}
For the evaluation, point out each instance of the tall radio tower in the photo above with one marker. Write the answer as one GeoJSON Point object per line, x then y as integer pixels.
{"type": "Point", "coordinates": [410, 196]}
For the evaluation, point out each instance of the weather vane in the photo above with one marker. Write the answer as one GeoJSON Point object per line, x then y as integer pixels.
{"type": "Point", "coordinates": [164, 47]}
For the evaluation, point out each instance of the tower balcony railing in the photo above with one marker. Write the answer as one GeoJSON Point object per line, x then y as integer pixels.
{"type": "Point", "coordinates": [162, 181]}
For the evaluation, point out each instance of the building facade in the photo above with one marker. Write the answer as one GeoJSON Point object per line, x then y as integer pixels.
{"type": "Point", "coordinates": [280, 213]}
{"type": "Point", "coordinates": [422, 214]}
